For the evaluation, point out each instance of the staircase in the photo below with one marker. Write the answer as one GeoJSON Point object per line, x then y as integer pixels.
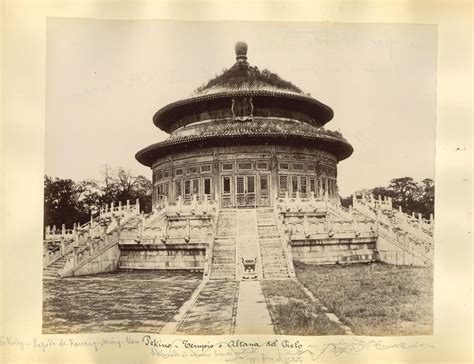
{"type": "Point", "coordinates": [274, 257]}
{"type": "Point", "coordinates": [223, 253]}
{"type": "Point", "coordinates": [52, 270]}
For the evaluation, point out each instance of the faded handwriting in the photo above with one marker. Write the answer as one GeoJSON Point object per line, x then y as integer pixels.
{"type": "Point", "coordinates": [277, 350]}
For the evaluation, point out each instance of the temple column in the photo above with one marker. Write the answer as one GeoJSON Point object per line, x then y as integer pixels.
{"type": "Point", "coordinates": [216, 181]}
{"type": "Point", "coordinates": [273, 176]}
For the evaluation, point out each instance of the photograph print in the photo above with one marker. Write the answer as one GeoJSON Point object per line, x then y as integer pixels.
{"type": "Point", "coordinates": [221, 178]}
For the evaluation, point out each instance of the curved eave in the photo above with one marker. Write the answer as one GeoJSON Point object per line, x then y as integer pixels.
{"type": "Point", "coordinates": [168, 115]}
{"type": "Point", "coordinates": [339, 147]}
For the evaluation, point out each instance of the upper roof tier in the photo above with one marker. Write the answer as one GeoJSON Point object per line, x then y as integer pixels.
{"type": "Point", "coordinates": [267, 90]}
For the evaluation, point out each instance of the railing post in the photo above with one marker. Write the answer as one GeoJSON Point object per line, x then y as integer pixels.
{"type": "Point", "coordinates": [165, 230]}
{"type": "Point", "coordinates": [137, 205]}
{"type": "Point", "coordinates": [75, 249]}
{"type": "Point", "coordinates": [46, 253]}
{"type": "Point", "coordinates": [188, 230]}
{"type": "Point", "coordinates": [305, 226]}
{"type": "Point", "coordinates": [62, 247]}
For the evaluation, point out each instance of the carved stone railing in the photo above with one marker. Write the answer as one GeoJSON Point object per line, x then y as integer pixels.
{"type": "Point", "coordinates": [114, 210]}
{"type": "Point", "coordinates": [96, 247]}
{"type": "Point", "coordinates": [285, 242]}
{"type": "Point", "coordinates": [210, 246]}
{"type": "Point", "coordinates": [382, 211]}
{"type": "Point", "coordinates": [414, 235]}
{"type": "Point", "coordinates": [299, 204]}
{"type": "Point", "coordinates": [85, 239]}
{"type": "Point", "coordinates": [192, 205]}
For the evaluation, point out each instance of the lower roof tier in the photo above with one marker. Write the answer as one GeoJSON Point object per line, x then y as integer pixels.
{"type": "Point", "coordinates": [248, 132]}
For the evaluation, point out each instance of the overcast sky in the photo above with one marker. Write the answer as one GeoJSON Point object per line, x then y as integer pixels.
{"type": "Point", "coordinates": [106, 78]}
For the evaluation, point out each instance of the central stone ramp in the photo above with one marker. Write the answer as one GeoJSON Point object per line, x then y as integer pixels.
{"type": "Point", "coordinates": [252, 316]}
{"type": "Point", "coordinates": [247, 246]}
{"type": "Point", "coordinates": [275, 259]}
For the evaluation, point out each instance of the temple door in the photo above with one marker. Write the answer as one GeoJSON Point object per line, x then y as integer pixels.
{"type": "Point", "coordinates": [245, 195]}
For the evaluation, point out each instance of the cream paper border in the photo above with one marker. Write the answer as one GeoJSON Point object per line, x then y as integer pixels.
{"type": "Point", "coordinates": [23, 112]}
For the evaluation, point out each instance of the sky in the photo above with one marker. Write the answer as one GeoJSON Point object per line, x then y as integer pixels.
{"type": "Point", "coordinates": [106, 78]}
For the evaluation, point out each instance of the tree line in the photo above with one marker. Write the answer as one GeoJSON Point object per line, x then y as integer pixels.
{"type": "Point", "coordinates": [412, 196]}
{"type": "Point", "coordinates": [68, 202]}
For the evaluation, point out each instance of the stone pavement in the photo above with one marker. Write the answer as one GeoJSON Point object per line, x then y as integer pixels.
{"type": "Point", "coordinates": [213, 312]}
{"type": "Point", "coordinates": [252, 313]}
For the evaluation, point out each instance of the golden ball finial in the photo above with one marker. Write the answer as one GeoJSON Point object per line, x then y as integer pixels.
{"type": "Point", "coordinates": [241, 51]}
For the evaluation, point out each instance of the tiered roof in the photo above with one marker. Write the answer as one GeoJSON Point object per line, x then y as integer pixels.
{"type": "Point", "coordinates": [267, 90]}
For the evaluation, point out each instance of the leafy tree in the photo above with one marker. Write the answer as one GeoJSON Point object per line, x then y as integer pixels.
{"type": "Point", "coordinates": [61, 202]}
{"type": "Point", "coordinates": [67, 202]}
{"type": "Point", "coordinates": [412, 196]}
{"type": "Point", "coordinates": [119, 185]}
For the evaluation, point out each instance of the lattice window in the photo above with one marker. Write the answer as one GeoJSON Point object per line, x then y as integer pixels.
{"type": "Point", "coordinates": [264, 184]}
{"type": "Point", "coordinates": [195, 187]}
{"type": "Point", "coordinates": [159, 175]}
{"type": "Point", "coordinates": [191, 170]}
{"type": "Point", "coordinates": [227, 166]}
{"type": "Point", "coordinates": [312, 185]}
{"type": "Point", "coordinates": [244, 166]}
{"type": "Point", "coordinates": [240, 184]}
{"type": "Point", "coordinates": [283, 183]}
{"type": "Point", "coordinates": [179, 172]}
{"type": "Point", "coordinates": [251, 184]}
{"type": "Point", "coordinates": [298, 166]}
{"type": "Point", "coordinates": [294, 184]}
{"type": "Point", "coordinates": [303, 184]}
{"type": "Point", "coordinates": [284, 166]}
{"type": "Point", "coordinates": [206, 168]}
{"type": "Point", "coordinates": [226, 185]}
{"type": "Point", "coordinates": [177, 187]}
{"type": "Point", "coordinates": [166, 174]}
{"type": "Point", "coordinates": [310, 167]}
{"type": "Point", "coordinates": [207, 186]}
{"type": "Point", "coordinates": [187, 187]}
{"type": "Point", "coordinates": [262, 165]}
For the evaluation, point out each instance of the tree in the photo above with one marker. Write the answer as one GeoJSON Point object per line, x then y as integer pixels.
{"type": "Point", "coordinates": [412, 196]}
{"type": "Point", "coordinates": [61, 202]}
{"type": "Point", "coordinates": [119, 185]}
{"type": "Point", "coordinates": [67, 202]}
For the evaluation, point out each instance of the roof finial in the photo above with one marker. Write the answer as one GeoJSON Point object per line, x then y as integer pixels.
{"type": "Point", "coordinates": [241, 51]}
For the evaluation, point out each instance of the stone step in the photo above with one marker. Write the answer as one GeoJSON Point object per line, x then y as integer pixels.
{"type": "Point", "coordinates": [223, 249]}
{"type": "Point", "coordinates": [224, 235]}
{"type": "Point", "coordinates": [223, 260]}
{"type": "Point", "coordinates": [272, 276]}
{"type": "Point", "coordinates": [279, 266]}
{"type": "Point", "coordinates": [273, 244]}
{"type": "Point", "coordinates": [223, 269]}
{"type": "Point", "coordinates": [279, 274]}
{"type": "Point", "coordinates": [220, 241]}
{"type": "Point", "coordinates": [216, 276]}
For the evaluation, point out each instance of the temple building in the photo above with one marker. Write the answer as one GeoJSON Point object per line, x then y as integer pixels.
{"type": "Point", "coordinates": [244, 139]}
{"type": "Point", "coordinates": [245, 184]}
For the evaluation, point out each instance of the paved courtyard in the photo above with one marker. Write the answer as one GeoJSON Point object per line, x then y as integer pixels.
{"type": "Point", "coordinates": [135, 301]}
